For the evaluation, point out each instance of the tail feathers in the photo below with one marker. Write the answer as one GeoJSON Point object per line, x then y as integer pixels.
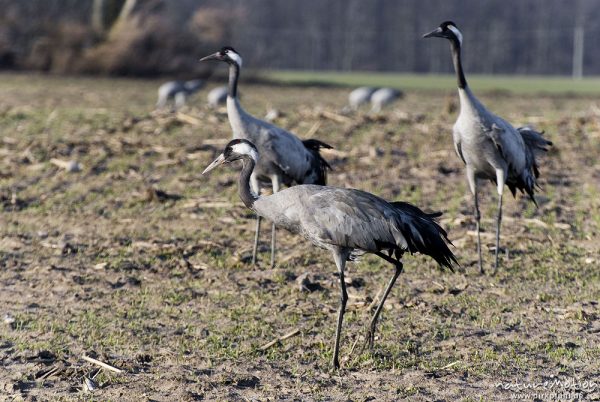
{"type": "Point", "coordinates": [315, 145]}
{"type": "Point", "coordinates": [534, 140]}
{"type": "Point", "coordinates": [526, 184]}
{"type": "Point", "coordinates": [319, 165]}
{"type": "Point", "coordinates": [535, 144]}
{"type": "Point", "coordinates": [424, 235]}
{"type": "Point", "coordinates": [410, 207]}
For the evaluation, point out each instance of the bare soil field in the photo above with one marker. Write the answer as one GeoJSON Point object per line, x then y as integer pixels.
{"type": "Point", "coordinates": [133, 258]}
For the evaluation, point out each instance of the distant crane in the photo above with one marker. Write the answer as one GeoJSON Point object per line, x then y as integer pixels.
{"type": "Point", "coordinates": [490, 147]}
{"type": "Point", "coordinates": [217, 97]}
{"type": "Point", "coordinates": [346, 222]}
{"type": "Point", "coordinates": [178, 91]}
{"type": "Point", "coordinates": [384, 97]}
{"type": "Point", "coordinates": [285, 159]}
{"type": "Point", "coordinates": [273, 114]}
{"type": "Point", "coordinates": [360, 96]}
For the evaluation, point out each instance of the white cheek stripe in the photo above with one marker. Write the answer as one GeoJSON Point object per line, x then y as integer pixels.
{"type": "Point", "coordinates": [254, 155]}
{"type": "Point", "coordinates": [456, 32]}
{"type": "Point", "coordinates": [245, 149]}
{"type": "Point", "coordinates": [235, 57]}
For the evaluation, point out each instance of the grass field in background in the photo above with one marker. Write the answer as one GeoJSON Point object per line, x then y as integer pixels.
{"type": "Point", "coordinates": [516, 84]}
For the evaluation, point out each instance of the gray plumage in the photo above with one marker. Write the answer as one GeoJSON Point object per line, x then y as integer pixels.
{"type": "Point", "coordinates": [490, 147]}
{"type": "Point", "coordinates": [346, 222]}
{"type": "Point", "coordinates": [360, 96]}
{"type": "Point", "coordinates": [384, 97]}
{"type": "Point", "coordinates": [178, 92]}
{"type": "Point", "coordinates": [285, 159]}
{"type": "Point", "coordinates": [361, 222]}
{"type": "Point", "coordinates": [282, 154]}
{"type": "Point", "coordinates": [217, 96]}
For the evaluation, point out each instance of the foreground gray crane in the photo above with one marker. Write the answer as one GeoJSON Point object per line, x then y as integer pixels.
{"type": "Point", "coordinates": [178, 91]}
{"type": "Point", "coordinates": [490, 147]}
{"type": "Point", "coordinates": [360, 96]}
{"type": "Point", "coordinates": [384, 97]}
{"type": "Point", "coordinates": [217, 97]}
{"type": "Point", "coordinates": [285, 159]}
{"type": "Point", "coordinates": [346, 222]}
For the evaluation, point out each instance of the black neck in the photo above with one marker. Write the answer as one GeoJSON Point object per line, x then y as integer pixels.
{"type": "Point", "coordinates": [460, 75]}
{"type": "Point", "coordinates": [234, 74]}
{"type": "Point", "coordinates": [246, 194]}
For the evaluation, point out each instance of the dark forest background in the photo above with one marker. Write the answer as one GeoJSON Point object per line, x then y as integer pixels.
{"type": "Point", "coordinates": [166, 37]}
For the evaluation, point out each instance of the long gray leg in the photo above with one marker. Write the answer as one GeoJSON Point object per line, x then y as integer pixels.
{"type": "Point", "coordinates": [276, 182]}
{"type": "Point", "coordinates": [372, 326]}
{"type": "Point", "coordinates": [478, 225]}
{"type": "Point", "coordinates": [340, 261]}
{"type": "Point", "coordinates": [473, 185]}
{"type": "Point", "coordinates": [500, 178]}
{"type": "Point", "coordinates": [255, 248]}
{"type": "Point", "coordinates": [498, 221]}
{"type": "Point", "coordinates": [256, 188]}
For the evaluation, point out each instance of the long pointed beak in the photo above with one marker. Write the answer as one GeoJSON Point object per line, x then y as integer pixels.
{"type": "Point", "coordinates": [435, 33]}
{"type": "Point", "coordinates": [214, 56]}
{"type": "Point", "coordinates": [219, 161]}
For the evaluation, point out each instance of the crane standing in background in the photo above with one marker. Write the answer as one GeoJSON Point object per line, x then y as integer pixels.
{"type": "Point", "coordinates": [178, 91]}
{"type": "Point", "coordinates": [285, 159]}
{"type": "Point", "coordinates": [490, 147]}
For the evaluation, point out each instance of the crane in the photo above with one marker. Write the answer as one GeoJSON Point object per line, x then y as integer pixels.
{"type": "Point", "coordinates": [347, 222]}
{"type": "Point", "coordinates": [360, 96]}
{"type": "Point", "coordinates": [490, 147]}
{"type": "Point", "coordinates": [383, 97]}
{"type": "Point", "coordinates": [217, 96]}
{"type": "Point", "coordinates": [285, 159]}
{"type": "Point", "coordinates": [179, 91]}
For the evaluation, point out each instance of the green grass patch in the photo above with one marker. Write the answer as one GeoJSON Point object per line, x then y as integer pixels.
{"type": "Point", "coordinates": [431, 82]}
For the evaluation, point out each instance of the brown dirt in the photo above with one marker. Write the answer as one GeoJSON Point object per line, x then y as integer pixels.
{"type": "Point", "coordinates": [141, 262]}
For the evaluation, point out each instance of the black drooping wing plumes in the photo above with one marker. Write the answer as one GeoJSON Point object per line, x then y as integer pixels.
{"type": "Point", "coordinates": [535, 144]}
{"type": "Point", "coordinates": [424, 235]}
{"type": "Point", "coordinates": [364, 223]}
{"type": "Point", "coordinates": [315, 144]}
{"type": "Point", "coordinates": [416, 210]}
{"type": "Point", "coordinates": [319, 164]}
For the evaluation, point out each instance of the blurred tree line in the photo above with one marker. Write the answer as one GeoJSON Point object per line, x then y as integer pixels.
{"type": "Point", "coordinates": [118, 37]}
{"type": "Point", "coordinates": [149, 37]}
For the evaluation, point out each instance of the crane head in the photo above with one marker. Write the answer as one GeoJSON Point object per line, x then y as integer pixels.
{"type": "Point", "coordinates": [226, 54]}
{"type": "Point", "coordinates": [235, 150]}
{"type": "Point", "coordinates": [448, 30]}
